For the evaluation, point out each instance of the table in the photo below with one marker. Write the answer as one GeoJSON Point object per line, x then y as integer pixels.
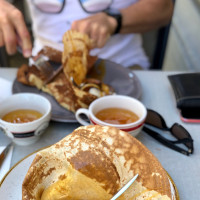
{"type": "Point", "coordinates": [157, 94]}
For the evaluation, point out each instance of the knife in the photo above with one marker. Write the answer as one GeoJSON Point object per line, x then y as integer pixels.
{"type": "Point", "coordinates": [4, 153]}
{"type": "Point", "coordinates": [123, 189]}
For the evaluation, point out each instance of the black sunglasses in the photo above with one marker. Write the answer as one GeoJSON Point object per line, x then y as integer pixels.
{"type": "Point", "coordinates": [155, 120]}
{"type": "Point", "coordinates": [55, 6]}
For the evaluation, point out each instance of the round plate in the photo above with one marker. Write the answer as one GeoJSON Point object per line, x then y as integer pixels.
{"type": "Point", "coordinates": [11, 189]}
{"type": "Point", "coordinates": [11, 184]}
{"type": "Point", "coordinates": [123, 80]}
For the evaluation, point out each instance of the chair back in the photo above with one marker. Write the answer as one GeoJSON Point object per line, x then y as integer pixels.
{"type": "Point", "coordinates": [3, 57]}
{"type": "Point", "coordinates": [155, 43]}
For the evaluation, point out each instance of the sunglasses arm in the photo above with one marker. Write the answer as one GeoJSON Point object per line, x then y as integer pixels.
{"type": "Point", "coordinates": [164, 141]}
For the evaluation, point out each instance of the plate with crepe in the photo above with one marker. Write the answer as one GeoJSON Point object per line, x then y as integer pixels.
{"type": "Point", "coordinates": [122, 80]}
{"type": "Point", "coordinates": [80, 77]}
{"type": "Point", "coordinates": [93, 162]}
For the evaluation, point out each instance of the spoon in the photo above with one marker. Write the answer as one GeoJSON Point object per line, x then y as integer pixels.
{"type": "Point", "coordinates": [123, 189]}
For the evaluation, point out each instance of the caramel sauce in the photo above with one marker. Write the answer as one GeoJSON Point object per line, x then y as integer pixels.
{"type": "Point", "coordinates": [98, 72]}
{"type": "Point", "coordinates": [117, 116]}
{"type": "Point", "coordinates": [22, 116]}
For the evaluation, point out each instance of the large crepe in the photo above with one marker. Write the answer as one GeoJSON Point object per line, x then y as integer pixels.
{"type": "Point", "coordinates": [93, 163]}
{"type": "Point", "coordinates": [70, 87]}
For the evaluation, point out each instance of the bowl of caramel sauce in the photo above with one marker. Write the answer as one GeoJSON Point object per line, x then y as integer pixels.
{"type": "Point", "coordinates": [24, 117]}
{"type": "Point", "coordinates": [120, 111]}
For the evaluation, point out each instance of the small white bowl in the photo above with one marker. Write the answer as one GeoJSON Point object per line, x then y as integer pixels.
{"type": "Point", "coordinates": [115, 101]}
{"type": "Point", "coordinates": [29, 132]}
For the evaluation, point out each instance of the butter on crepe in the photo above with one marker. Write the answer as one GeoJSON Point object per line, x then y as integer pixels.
{"type": "Point", "coordinates": [94, 162]}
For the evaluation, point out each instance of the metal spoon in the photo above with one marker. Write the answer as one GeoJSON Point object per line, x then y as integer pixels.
{"type": "Point", "coordinates": [123, 189]}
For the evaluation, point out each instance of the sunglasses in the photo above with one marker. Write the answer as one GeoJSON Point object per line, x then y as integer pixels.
{"type": "Point", "coordinates": [56, 6]}
{"type": "Point", "coordinates": [155, 125]}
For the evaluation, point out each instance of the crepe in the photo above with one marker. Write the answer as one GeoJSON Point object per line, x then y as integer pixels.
{"type": "Point", "coordinates": [94, 162]}
{"type": "Point", "coordinates": [63, 90]}
{"type": "Point", "coordinates": [75, 55]}
{"type": "Point", "coordinates": [70, 87]}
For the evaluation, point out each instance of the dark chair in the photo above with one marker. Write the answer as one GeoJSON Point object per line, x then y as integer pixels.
{"type": "Point", "coordinates": [3, 57]}
{"type": "Point", "coordinates": [156, 47]}
{"type": "Point", "coordinates": [160, 48]}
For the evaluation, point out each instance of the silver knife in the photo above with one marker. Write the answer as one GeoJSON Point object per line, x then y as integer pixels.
{"type": "Point", "coordinates": [4, 153]}
{"type": "Point", "coordinates": [123, 189]}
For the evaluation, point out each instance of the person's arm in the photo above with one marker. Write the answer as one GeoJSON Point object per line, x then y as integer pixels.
{"type": "Point", "coordinates": [146, 15]}
{"type": "Point", "coordinates": [141, 16]}
{"type": "Point", "coordinates": [13, 30]}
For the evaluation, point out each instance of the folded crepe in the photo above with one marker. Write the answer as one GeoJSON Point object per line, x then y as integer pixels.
{"type": "Point", "coordinates": [94, 162]}
{"type": "Point", "coordinates": [75, 55]}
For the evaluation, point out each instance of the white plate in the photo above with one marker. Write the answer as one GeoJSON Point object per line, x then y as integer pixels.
{"type": "Point", "coordinates": [11, 184]}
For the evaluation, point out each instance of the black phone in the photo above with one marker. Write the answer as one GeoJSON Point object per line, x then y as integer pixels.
{"type": "Point", "coordinates": [190, 115]}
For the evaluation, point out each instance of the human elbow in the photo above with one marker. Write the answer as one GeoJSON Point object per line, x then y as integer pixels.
{"type": "Point", "coordinates": [167, 13]}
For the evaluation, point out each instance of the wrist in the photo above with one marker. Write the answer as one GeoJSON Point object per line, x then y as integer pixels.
{"type": "Point", "coordinates": [118, 19]}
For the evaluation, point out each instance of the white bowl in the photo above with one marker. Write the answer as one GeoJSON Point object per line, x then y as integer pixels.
{"type": "Point", "coordinates": [29, 132]}
{"type": "Point", "coordinates": [117, 101]}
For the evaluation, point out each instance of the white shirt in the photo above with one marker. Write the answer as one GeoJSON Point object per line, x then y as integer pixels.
{"type": "Point", "coordinates": [48, 29]}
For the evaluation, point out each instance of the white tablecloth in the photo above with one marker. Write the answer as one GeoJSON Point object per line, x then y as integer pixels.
{"type": "Point", "coordinates": [157, 94]}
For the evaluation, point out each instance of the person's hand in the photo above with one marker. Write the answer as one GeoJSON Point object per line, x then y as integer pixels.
{"type": "Point", "coordinates": [13, 30]}
{"type": "Point", "coordinates": [99, 28]}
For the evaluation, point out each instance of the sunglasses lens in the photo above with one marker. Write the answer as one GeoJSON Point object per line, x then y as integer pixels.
{"type": "Point", "coordinates": [49, 6]}
{"type": "Point", "coordinates": [181, 133]}
{"type": "Point", "coordinates": [95, 6]}
{"type": "Point", "coordinates": [155, 119]}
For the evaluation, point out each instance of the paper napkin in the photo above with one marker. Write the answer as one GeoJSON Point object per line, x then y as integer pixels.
{"type": "Point", "coordinates": [5, 89]}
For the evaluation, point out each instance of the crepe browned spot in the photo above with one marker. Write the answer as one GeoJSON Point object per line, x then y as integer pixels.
{"type": "Point", "coordinates": [94, 162]}
{"type": "Point", "coordinates": [53, 54]}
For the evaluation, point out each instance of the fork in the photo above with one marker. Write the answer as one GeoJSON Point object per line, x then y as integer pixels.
{"type": "Point", "coordinates": [42, 63]}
